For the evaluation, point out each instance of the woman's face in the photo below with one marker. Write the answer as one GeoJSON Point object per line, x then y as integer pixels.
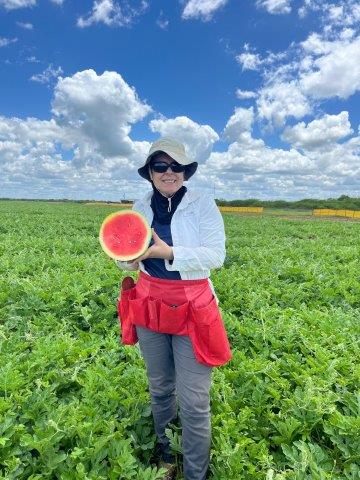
{"type": "Point", "coordinates": [168, 182]}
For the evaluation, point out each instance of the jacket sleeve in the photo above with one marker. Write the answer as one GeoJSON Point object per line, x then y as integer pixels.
{"type": "Point", "coordinates": [211, 252]}
{"type": "Point", "coordinates": [129, 266]}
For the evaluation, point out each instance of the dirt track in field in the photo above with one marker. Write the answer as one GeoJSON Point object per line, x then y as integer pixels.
{"type": "Point", "coordinates": [311, 217]}
{"type": "Point", "coordinates": [300, 217]}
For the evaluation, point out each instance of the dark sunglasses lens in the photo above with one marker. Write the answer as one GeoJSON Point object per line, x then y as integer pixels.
{"type": "Point", "coordinates": [161, 167]}
{"type": "Point", "coordinates": [177, 168]}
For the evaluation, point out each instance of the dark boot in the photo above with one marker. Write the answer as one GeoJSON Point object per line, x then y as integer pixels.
{"type": "Point", "coordinates": [170, 470]}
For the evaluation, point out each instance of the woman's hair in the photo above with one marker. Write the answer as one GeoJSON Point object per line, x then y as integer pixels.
{"type": "Point", "coordinates": [156, 156]}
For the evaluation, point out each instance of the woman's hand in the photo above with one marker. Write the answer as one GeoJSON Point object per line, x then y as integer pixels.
{"type": "Point", "coordinates": [159, 249]}
{"type": "Point", "coordinates": [129, 266]}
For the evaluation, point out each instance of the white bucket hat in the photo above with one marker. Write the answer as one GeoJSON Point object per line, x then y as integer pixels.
{"type": "Point", "coordinates": [175, 150]}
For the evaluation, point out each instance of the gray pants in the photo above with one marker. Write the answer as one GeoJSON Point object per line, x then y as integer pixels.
{"type": "Point", "coordinates": [171, 366]}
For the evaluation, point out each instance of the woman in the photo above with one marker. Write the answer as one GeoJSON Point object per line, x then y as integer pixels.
{"type": "Point", "coordinates": [172, 311]}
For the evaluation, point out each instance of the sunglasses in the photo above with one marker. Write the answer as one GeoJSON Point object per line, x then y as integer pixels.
{"type": "Point", "coordinates": [161, 167]}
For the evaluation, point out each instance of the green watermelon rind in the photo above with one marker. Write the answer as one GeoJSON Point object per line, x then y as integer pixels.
{"type": "Point", "coordinates": [125, 258]}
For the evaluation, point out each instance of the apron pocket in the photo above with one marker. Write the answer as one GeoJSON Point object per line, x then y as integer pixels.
{"type": "Point", "coordinates": [173, 318]}
{"type": "Point", "coordinates": [208, 335]}
{"type": "Point", "coordinates": [138, 312]}
{"type": "Point", "coordinates": [123, 303]}
{"type": "Point", "coordinates": [153, 309]}
{"type": "Point", "coordinates": [128, 332]}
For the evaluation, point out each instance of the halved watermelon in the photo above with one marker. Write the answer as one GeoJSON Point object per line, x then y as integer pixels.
{"type": "Point", "coordinates": [125, 235]}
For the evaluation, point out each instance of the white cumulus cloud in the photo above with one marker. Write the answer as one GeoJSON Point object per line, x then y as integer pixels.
{"type": "Point", "coordinates": [336, 72]}
{"type": "Point", "coordinates": [4, 42]}
{"type": "Point", "coordinates": [14, 4]}
{"type": "Point", "coordinates": [161, 21]}
{"type": "Point", "coordinates": [50, 74]}
{"type": "Point", "coordinates": [275, 6]}
{"type": "Point", "coordinates": [112, 14]}
{"type": "Point", "coordinates": [249, 61]}
{"type": "Point", "coordinates": [25, 25]}
{"type": "Point", "coordinates": [32, 59]}
{"type": "Point", "coordinates": [198, 139]}
{"type": "Point", "coordinates": [245, 94]}
{"type": "Point", "coordinates": [251, 169]}
{"type": "Point", "coordinates": [203, 9]}
{"type": "Point", "coordinates": [338, 14]}
{"type": "Point", "coordinates": [84, 151]}
{"type": "Point", "coordinates": [296, 81]}
{"type": "Point", "coordinates": [316, 45]}
{"type": "Point", "coordinates": [240, 122]}
{"type": "Point", "coordinates": [101, 109]}
{"type": "Point", "coordinates": [280, 100]}
{"type": "Point", "coordinates": [320, 133]}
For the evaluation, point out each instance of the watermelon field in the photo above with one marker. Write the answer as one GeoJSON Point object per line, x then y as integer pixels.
{"type": "Point", "coordinates": [74, 403]}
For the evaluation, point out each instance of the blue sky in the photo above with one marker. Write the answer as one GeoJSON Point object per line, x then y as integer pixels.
{"type": "Point", "coordinates": [264, 94]}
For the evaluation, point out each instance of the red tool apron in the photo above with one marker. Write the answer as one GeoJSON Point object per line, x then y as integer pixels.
{"type": "Point", "coordinates": [178, 307]}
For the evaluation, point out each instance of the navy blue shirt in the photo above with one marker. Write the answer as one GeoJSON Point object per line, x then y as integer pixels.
{"type": "Point", "coordinates": [156, 266]}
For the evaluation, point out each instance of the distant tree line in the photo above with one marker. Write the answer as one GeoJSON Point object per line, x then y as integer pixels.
{"type": "Point", "coordinates": [344, 202]}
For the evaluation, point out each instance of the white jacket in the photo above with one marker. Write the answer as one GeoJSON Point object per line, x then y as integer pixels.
{"type": "Point", "coordinates": [198, 235]}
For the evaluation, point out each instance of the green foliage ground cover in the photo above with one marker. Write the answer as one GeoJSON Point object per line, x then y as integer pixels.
{"type": "Point", "coordinates": [74, 402]}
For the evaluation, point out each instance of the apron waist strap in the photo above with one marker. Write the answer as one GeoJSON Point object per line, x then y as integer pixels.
{"type": "Point", "coordinates": [171, 282]}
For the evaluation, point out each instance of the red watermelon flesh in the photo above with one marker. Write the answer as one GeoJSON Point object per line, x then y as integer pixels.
{"type": "Point", "coordinates": [125, 235]}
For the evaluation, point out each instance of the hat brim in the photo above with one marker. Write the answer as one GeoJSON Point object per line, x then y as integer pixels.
{"type": "Point", "coordinates": [190, 167]}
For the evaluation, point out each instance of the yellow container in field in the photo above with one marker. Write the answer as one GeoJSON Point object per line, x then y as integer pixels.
{"type": "Point", "coordinates": [349, 213]}
{"type": "Point", "coordinates": [317, 212]}
{"type": "Point", "coordinates": [241, 209]}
